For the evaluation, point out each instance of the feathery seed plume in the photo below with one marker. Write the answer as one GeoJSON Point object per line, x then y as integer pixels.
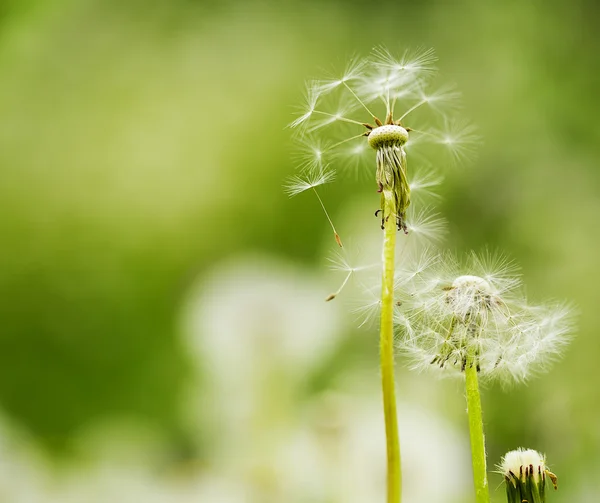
{"type": "Point", "coordinates": [454, 316]}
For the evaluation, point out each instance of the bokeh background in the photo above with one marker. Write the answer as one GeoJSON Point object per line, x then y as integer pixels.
{"type": "Point", "coordinates": [163, 332]}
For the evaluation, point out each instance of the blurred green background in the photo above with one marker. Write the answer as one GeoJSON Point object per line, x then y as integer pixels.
{"type": "Point", "coordinates": [142, 153]}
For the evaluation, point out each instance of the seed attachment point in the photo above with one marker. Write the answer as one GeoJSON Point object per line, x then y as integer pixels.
{"type": "Point", "coordinates": [390, 134]}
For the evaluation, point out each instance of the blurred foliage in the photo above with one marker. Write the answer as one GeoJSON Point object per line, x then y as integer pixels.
{"type": "Point", "coordinates": [143, 142]}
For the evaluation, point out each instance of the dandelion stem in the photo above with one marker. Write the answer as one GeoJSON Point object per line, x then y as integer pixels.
{"type": "Point", "coordinates": [394, 478]}
{"type": "Point", "coordinates": [482, 494]}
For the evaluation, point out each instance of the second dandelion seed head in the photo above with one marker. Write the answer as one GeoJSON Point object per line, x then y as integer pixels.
{"type": "Point", "coordinates": [457, 316]}
{"type": "Point", "coordinates": [470, 294]}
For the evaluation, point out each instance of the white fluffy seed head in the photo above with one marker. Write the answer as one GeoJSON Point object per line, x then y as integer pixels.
{"type": "Point", "coordinates": [455, 311]}
{"type": "Point", "coordinates": [470, 295]}
{"type": "Point", "coordinates": [470, 282]}
{"type": "Point", "coordinates": [389, 134]}
{"type": "Point", "coordinates": [376, 89]}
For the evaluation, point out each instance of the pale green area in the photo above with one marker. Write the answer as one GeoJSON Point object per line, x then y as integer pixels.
{"type": "Point", "coordinates": [143, 142]}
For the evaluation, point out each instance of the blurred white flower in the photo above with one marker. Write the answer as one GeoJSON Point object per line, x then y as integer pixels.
{"type": "Point", "coordinates": [257, 311]}
{"type": "Point", "coordinates": [258, 328]}
{"type": "Point", "coordinates": [24, 472]}
{"type": "Point", "coordinates": [352, 438]}
{"type": "Point", "coordinates": [454, 315]}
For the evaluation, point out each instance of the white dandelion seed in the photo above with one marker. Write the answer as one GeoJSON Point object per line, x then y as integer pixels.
{"type": "Point", "coordinates": [475, 315]}
{"type": "Point", "coordinates": [311, 97]}
{"type": "Point", "coordinates": [353, 71]}
{"type": "Point", "coordinates": [445, 98]}
{"type": "Point", "coordinates": [415, 271]}
{"type": "Point", "coordinates": [421, 61]}
{"type": "Point", "coordinates": [459, 138]}
{"type": "Point", "coordinates": [367, 311]}
{"type": "Point", "coordinates": [423, 184]}
{"type": "Point", "coordinates": [311, 155]}
{"type": "Point", "coordinates": [415, 262]}
{"type": "Point", "coordinates": [341, 262]}
{"type": "Point", "coordinates": [430, 227]}
{"type": "Point", "coordinates": [310, 181]}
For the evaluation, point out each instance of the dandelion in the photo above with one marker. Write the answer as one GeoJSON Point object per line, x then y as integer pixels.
{"type": "Point", "coordinates": [473, 321]}
{"type": "Point", "coordinates": [526, 476]}
{"type": "Point", "coordinates": [378, 102]}
{"type": "Point", "coordinates": [475, 315]}
{"type": "Point", "coordinates": [351, 105]}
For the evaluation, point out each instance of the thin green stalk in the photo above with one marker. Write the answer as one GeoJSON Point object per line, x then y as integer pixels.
{"type": "Point", "coordinates": [386, 341]}
{"type": "Point", "coordinates": [482, 494]}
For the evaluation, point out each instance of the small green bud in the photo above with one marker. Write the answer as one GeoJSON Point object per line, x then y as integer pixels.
{"type": "Point", "coordinates": [526, 474]}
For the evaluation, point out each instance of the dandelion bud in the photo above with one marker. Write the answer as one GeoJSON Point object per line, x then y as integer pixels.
{"type": "Point", "coordinates": [526, 476]}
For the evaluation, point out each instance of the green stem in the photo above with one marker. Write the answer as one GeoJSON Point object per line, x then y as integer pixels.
{"type": "Point", "coordinates": [386, 341]}
{"type": "Point", "coordinates": [482, 494]}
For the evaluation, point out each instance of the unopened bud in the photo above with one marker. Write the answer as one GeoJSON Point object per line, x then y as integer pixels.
{"type": "Point", "coordinates": [526, 476]}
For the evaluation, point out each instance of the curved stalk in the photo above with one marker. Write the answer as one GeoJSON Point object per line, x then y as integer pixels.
{"type": "Point", "coordinates": [386, 341]}
{"type": "Point", "coordinates": [482, 494]}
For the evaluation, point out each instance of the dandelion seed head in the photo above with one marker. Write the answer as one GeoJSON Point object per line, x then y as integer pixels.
{"type": "Point", "coordinates": [474, 314]}
{"type": "Point", "coordinates": [469, 283]}
{"type": "Point", "coordinates": [380, 101]}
